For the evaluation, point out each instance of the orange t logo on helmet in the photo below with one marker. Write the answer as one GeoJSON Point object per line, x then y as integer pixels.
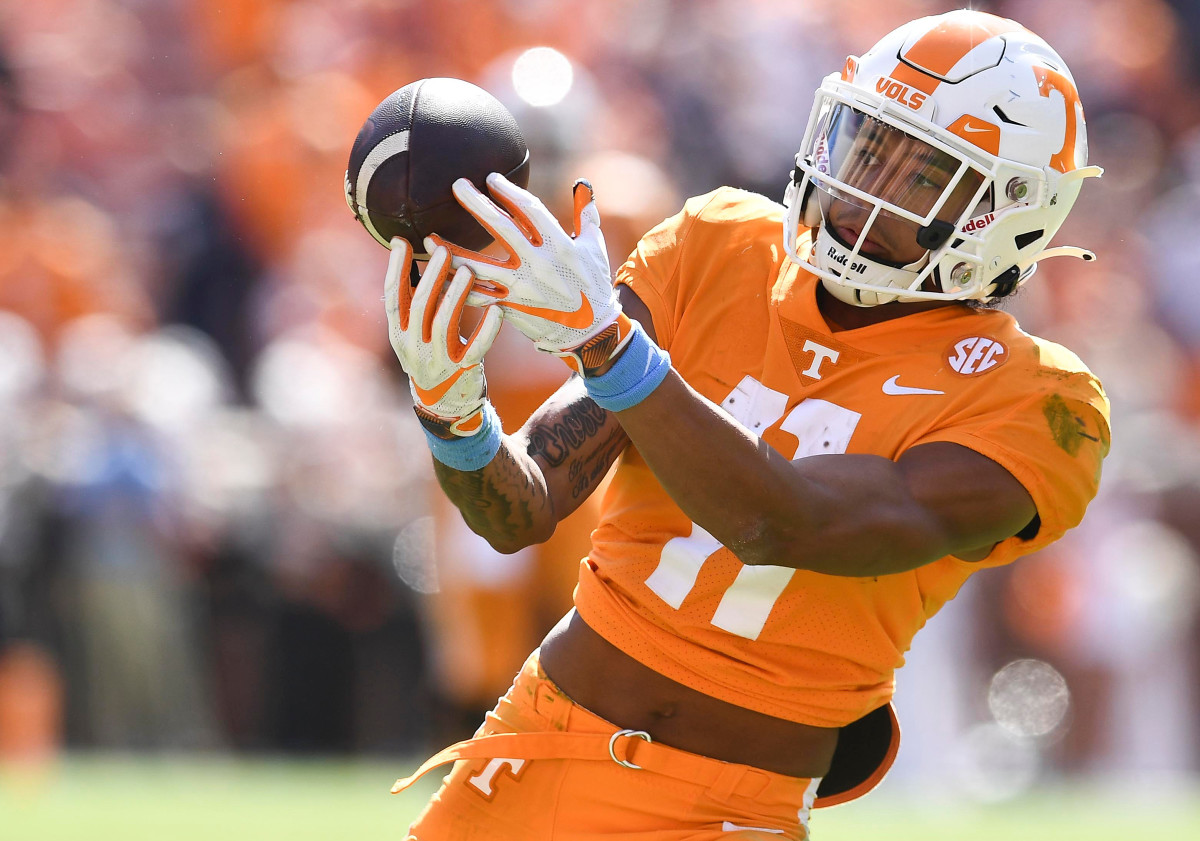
{"type": "Point", "coordinates": [1049, 79]}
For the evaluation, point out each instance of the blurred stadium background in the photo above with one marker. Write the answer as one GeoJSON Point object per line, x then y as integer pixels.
{"type": "Point", "coordinates": [231, 604]}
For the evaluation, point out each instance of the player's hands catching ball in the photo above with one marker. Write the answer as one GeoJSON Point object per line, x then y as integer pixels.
{"type": "Point", "coordinates": [445, 372]}
{"type": "Point", "coordinates": [555, 288]}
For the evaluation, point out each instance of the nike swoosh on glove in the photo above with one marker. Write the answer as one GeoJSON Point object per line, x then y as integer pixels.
{"type": "Point", "coordinates": [555, 288]}
{"type": "Point", "coordinates": [445, 372]}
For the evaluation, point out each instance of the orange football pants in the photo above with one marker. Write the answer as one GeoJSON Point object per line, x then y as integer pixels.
{"type": "Point", "coordinates": [542, 768]}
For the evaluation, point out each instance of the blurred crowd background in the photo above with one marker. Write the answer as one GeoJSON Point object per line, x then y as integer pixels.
{"type": "Point", "coordinates": [218, 528]}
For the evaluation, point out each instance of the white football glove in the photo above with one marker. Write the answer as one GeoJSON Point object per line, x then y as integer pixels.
{"type": "Point", "coordinates": [555, 288]}
{"type": "Point", "coordinates": [445, 373]}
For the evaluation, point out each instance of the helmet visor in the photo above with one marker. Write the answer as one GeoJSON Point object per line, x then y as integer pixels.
{"type": "Point", "coordinates": [899, 171]}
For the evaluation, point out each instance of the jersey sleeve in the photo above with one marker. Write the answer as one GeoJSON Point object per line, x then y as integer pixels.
{"type": "Point", "coordinates": [686, 261]}
{"type": "Point", "coordinates": [652, 270]}
{"type": "Point", "coordinates": [1052, 441]}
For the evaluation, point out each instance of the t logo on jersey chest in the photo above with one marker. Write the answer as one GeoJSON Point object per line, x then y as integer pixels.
{"type": "Point", "coordinates": [820, 354]}
{"type": "Point", "coordinates": [816, 355]}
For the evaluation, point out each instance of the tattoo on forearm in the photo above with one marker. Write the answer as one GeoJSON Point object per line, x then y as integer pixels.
{"type": "Point", "coordinates": [501, 501]}
{"type": "Point", "coordinates": [587, 471]}
{"type": "Point", "coordinates": [555, 441]}
{"type": "Point", "coordinates": [497, 498]}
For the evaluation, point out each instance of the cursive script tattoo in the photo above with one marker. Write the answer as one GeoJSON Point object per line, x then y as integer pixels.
{"type": "Point", "coordinates": [555, 438]}
{"type": "Point", "coordinates": [587, 471]}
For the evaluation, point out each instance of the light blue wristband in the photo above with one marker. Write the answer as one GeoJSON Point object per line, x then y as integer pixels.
{"type": "Point", "coordinates": [639, 370]}
{"type": "Point", "coordinates": [473, 452]}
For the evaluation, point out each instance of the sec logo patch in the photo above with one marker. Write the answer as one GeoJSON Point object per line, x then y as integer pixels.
{"type": "Point", "coordinates": [976, 355]}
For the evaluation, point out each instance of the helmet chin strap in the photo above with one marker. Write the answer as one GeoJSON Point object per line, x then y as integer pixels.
{"type": "Point", "coordinates": [877, 274]}
{"type": "Point", "coordinates": [1063, 251]}
{"type": "Point", "coordinates": [855, 297]}
{"type": "Point", "coordinates": [803, 209]}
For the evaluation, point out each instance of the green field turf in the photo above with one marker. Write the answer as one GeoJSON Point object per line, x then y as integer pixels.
{"type": "Point", "coordinates": [95, 799]}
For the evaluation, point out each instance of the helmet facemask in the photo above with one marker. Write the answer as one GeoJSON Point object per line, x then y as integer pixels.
{"type": "Point", "coordinates": [888, 204]}
{"type": "Point", "coordinates": [939, 165]}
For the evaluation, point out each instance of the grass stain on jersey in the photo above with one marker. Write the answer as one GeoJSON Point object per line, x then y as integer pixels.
{"type": "Point", "coordinates": [1068, 429]}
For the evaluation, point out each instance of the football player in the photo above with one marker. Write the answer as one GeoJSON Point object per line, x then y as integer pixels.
{"type": "Point", "coordinates": [818, 439]}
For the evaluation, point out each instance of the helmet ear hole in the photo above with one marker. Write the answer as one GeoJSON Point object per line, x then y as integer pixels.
{"type": "Point", "coordinates": [1028, 238]}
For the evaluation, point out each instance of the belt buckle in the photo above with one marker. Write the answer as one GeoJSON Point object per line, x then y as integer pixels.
{"type": "Point", "coordinates": [612, 742]}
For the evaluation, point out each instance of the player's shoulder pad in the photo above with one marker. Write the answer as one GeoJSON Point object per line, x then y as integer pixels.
{"type": "Point", "coordinates": [1068, 383]}
{"type": "Point", "coordinates": [729, 218]}
{"type": "Point", "coordinates": [1039, 355]}
{"type": "Point", "coordinates": [1052, 355]}
{"type": "Point", "coordinates": [1037, 366]}
{"type": "Point", "coordinates": [734, 205]}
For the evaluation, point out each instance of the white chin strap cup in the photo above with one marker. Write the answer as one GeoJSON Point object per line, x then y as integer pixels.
{"type": "Point", "coordinates": [1068, 251]}
{"type": "Point", "coordinates": [1062, 251]}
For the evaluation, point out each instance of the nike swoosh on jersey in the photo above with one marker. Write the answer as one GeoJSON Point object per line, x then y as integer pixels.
{"type": "Point", "coordinates": [436, 393]}
{"type": "Point", "coordinates": [577, 319]}
{"type": "Point", "coordinates": [892, 387]}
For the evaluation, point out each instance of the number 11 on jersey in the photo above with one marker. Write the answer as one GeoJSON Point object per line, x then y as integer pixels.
{"type": "Point", "coordinates": [820, 427]}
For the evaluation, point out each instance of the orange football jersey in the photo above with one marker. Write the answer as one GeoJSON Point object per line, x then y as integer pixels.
{"type": "Point", "coordinates": [742, 326]}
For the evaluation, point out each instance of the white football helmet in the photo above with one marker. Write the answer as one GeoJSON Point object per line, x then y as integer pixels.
{"type": "Point", "coordinates": [939, 165]}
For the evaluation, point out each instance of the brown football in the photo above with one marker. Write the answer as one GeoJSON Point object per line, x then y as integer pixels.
{"type": "Point", "coordinates": [413, 147]}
